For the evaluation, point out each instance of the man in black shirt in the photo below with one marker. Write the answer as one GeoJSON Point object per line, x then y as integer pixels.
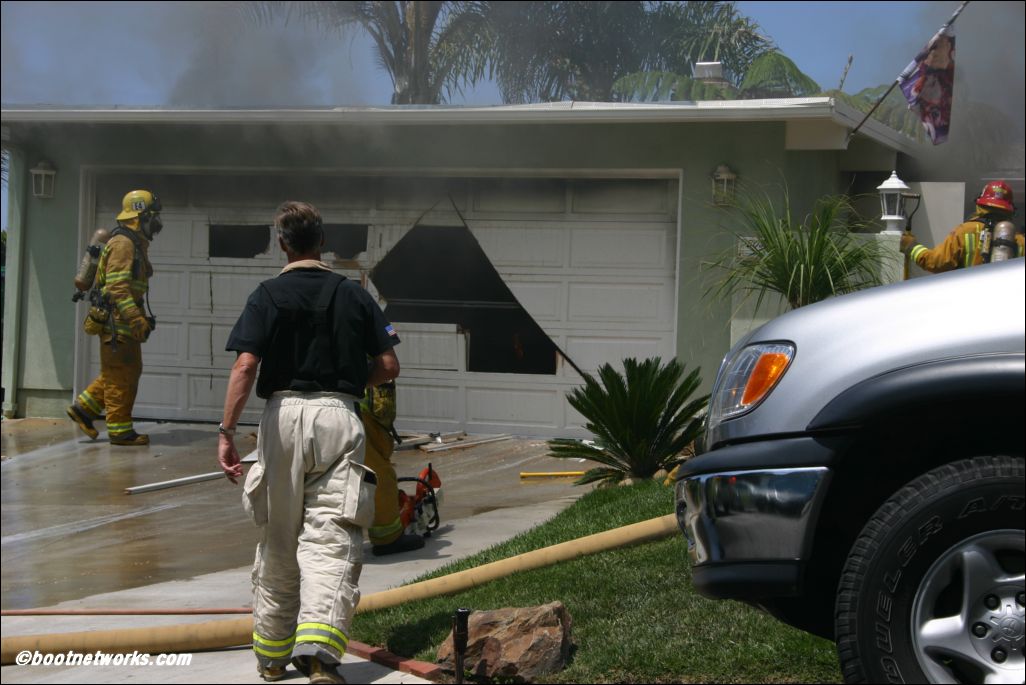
{"type": "Point", "coordinates": [309, 333]}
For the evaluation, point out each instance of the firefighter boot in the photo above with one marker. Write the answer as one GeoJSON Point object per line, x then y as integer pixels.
{"type": "Point", "coordinates": [131, 438]}
{"type": "Point", "coordinates": [403, 543]}
{"type": "Point", "coordinates": [326, 674]}
{"type": "Point", "coordinates": [83, 420]}
{"type": "Point", "coordinates": [271, 673]}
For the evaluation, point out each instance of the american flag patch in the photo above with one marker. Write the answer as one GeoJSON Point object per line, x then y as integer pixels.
{"type": "Point", "coordinates": [391, 331]}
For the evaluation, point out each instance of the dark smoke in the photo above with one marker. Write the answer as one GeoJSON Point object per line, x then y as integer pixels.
{"type": "Point", "coordinates": [181, 54]}
{"type": "Point", "coordinates": [987, 127]}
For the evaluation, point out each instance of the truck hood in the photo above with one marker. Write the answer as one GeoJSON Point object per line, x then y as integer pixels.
{"type": "Point", "coordinates": [847, 339]}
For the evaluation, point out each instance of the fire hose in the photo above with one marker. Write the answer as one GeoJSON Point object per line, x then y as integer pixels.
{"type": "Point", "coordinates": [234, 632]}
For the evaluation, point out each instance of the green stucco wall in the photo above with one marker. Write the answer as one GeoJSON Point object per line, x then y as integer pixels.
{"type": "Point", "coordinates": [755, 151]}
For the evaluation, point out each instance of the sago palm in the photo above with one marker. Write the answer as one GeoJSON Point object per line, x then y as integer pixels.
{"type": "Point", "coordinates": [642, 420]}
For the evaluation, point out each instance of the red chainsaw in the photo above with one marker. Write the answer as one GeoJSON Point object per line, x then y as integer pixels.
{"type": "Point", "coordinates": [419, 513]}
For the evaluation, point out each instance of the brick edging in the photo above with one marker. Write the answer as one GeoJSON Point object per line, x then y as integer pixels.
{"type": "Point", "coordinates": [383, 657]}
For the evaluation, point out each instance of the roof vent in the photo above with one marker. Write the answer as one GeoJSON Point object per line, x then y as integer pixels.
{"type": "Point", "coordinates": [710, 72]}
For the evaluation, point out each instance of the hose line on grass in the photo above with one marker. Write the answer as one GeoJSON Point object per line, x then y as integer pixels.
{"type": "Point", "coordinates": [231, 633]}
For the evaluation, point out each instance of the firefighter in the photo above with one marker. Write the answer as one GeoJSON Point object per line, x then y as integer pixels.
{"type": "Point", "coordinates": [122, 279]}
{"type": "Point", "coordinates": [387, 535]}
{"type": "Point", "coordinates": [977, 241]}
{"type": "Point", "coordinates": [303, 339]}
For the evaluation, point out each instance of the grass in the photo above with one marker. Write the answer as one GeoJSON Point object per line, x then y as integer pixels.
{"type": "Point", "coordinates": [636, 618]}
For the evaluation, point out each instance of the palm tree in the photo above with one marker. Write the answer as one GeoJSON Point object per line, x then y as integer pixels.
{"type": "Point", "coordinates": [643, 420]}
{"type": "Point", "coordinates": [706, 31]}
{"type": "Point", "coordinates": [430, 49]}
{"type": "Point", "coordinates": [802, 261]}
{"type": "Point", "coordinates": [550, 51]}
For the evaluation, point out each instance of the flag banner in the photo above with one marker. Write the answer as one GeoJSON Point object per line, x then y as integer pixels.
{"type": "Point", "coordinates": [928, 83]}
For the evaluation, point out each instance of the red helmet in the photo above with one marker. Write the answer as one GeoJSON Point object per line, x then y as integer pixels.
{"type": "Point", "coordinates": [996, 195]}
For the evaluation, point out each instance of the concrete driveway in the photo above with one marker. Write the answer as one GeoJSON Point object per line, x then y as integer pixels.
{"type": "Point", "coordinates": [72, 538]}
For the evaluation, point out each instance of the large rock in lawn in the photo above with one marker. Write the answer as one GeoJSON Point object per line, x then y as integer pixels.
{"type": "Point", "coordinates": [519, 644]}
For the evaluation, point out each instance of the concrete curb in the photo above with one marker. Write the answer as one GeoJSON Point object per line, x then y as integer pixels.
{"type": "Point", "coordinates": [383, 657]}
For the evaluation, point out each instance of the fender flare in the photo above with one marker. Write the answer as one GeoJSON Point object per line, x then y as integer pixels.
{"type": "Point", "coordinates": [962, 378]}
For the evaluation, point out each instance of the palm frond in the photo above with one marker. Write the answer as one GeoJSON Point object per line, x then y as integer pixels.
{"type": "Point", "coordinates": [803, 261]}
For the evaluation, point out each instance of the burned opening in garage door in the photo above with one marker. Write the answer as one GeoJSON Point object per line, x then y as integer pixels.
{"type": "Point", "coordinates": [238, 241]}
{"type": "Point", "coordinates": [440, 274]}
{"type": "Point", "coordinates": [345, 241]}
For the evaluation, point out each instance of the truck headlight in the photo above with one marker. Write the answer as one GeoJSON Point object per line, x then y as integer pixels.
{"type": "Point", "coordinates": [748, 378]}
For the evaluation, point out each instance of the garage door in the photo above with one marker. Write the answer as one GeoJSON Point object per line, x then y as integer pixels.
{"type": "Point", "coordinates": [592, 262]}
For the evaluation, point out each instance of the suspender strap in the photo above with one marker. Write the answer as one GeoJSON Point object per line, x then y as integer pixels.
{"type": "Point", "coordinates": [321, 319]}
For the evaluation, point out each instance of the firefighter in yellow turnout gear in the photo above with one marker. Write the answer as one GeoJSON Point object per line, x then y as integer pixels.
{"type": "Point", "coordinates": [123, 280]}
{"type": "Point", "coordinates": [975, 241]}
{"type": "Point", "coordinates": [377, 411]}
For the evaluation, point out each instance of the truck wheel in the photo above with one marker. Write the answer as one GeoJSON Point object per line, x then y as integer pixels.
{"type": "Point", "coordinates": [932, 590]}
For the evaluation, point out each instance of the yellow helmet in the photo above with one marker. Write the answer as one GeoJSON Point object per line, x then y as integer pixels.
{"type": "Point", "coordinates": [138, 202]}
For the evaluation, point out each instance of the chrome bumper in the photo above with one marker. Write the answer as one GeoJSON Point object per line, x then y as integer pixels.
{"type": "Point", "coordinates": [750, 515]}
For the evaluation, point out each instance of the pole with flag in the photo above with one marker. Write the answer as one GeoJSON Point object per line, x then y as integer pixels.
{"type": "Point", "coordinates": [928, 81]}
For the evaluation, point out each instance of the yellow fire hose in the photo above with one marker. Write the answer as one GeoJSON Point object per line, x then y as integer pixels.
{"type": "Point", "coordinates": [231, 633]}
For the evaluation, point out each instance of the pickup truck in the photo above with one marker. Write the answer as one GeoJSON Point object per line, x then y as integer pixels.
{"type": "Point", "coordinates": [862, 477]}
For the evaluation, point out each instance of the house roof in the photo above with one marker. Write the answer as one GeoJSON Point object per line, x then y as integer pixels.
{"type": "Point", "coordinates": [783, 109]}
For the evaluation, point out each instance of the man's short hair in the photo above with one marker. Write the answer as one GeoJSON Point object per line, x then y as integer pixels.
{"type": "Point", "coordinates": [299, 227]}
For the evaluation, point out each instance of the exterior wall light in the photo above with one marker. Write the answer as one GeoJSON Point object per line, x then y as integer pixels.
{"type": "Point", "coordinates": [44, 177]}
{"type": "Point", "coordinates": [893, 192]}
{"type": "Point", "coordinates": [723, 182]}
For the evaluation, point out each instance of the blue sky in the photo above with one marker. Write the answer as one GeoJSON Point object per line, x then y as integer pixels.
{"type": "Point", "coordinates": [139, 53]}
{"type": "Point", "coordinates": [195, 53]}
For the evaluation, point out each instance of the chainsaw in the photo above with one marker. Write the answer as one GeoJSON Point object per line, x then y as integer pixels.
{"type": "Point", "coordinates": [419, 513]}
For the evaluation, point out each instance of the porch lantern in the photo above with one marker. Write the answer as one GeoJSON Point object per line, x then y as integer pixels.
{"type": "Point", "coordinates": [44, 176]}
{"type": "Point", "coordinates": [893, 192]}
{"type": "Point", "coordinates": [723, 181]}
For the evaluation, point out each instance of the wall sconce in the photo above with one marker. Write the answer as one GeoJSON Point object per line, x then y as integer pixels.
{"type": "Point", "coordinates": [893, 192]}
{"type": "Point", "coordinates": [44, 177]}
{"type": "Point", "coordinates": [723, 182]}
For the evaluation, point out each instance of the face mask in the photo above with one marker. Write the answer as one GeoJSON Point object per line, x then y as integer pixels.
{"type": "Point", "coordinates": [151, 226]}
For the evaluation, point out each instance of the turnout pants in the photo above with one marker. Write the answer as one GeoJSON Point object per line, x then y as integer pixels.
{"type": "Point", "coordinates": [387, 526]}
{"type": "Point", "coordinates": [115, 388]}
{"type": "Point", "coordinates": [311, 495]}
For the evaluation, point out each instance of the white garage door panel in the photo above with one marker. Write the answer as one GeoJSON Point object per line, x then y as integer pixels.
{"type": "Point", "coordinates": [544, 301]}
{"type": "Point", "coordinates": [522, 244]}
{"type": "Point", "coordinates": [201, 337]}
{"type": "Point", "coordinates": [167, 291]}
{"type": "Point", "coordinates": [425, 401]}
{"type": "Point", "coordinates": [223, 293]}
{"type": "Point", "coordinates": [638, 303]}
{"type": "Point", "coordinates": [627, 247]}
{"type": "Point", "coordinates": [514, 407]}
{"type": "Point", "coordinates": [432, 346]}
{"type": "Point", "coordinates": [164, 348]}
{"type": "Point", "coordinates": [172, 243]}
{"type": "Point", "coordinates": [591, 352]}
{"type": "Point", "coordinates": [159, 390]}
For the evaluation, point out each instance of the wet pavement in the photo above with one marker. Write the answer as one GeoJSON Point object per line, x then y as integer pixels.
{"type": "Point", "coordinates": [69, 531]}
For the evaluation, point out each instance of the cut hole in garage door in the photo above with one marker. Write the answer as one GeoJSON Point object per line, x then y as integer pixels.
{"type": "Point", "coordinates": [239, 241]}
{"type": "Point", "coordinates": [440, 274]}
{"type": "Point", "coordinates": [345, 241]}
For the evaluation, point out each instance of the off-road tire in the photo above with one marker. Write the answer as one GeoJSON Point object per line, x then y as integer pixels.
{"type": "Point", "coordinates": [896, 551]}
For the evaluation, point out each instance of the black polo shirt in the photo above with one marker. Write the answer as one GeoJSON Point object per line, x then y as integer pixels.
{"type": "Point", "coordinates": [358, 327]}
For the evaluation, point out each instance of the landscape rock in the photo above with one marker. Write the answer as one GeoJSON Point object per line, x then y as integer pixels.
{"type": "Point", "coordinates": [518, 644]}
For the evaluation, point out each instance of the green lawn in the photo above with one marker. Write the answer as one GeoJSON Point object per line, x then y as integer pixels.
{"type": "Point", "coordinates": [636, 618]}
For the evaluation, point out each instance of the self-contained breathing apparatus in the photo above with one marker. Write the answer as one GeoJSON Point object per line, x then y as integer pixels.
{"type": "Point", "coordinates": [101, 307]}
{"type": "Point", "coordinates": [997, 240]}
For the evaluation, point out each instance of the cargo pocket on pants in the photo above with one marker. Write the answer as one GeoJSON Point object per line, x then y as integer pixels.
{"type": "Point", "coordinates": [358, 502]}
{"type": "Point", "coordinates": [254, 495]}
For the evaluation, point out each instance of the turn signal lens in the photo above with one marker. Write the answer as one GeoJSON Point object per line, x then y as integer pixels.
{"type": "Point", "coordinates": [767, 372]}
{"type": "Point", "coordinates": [747, 379]}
